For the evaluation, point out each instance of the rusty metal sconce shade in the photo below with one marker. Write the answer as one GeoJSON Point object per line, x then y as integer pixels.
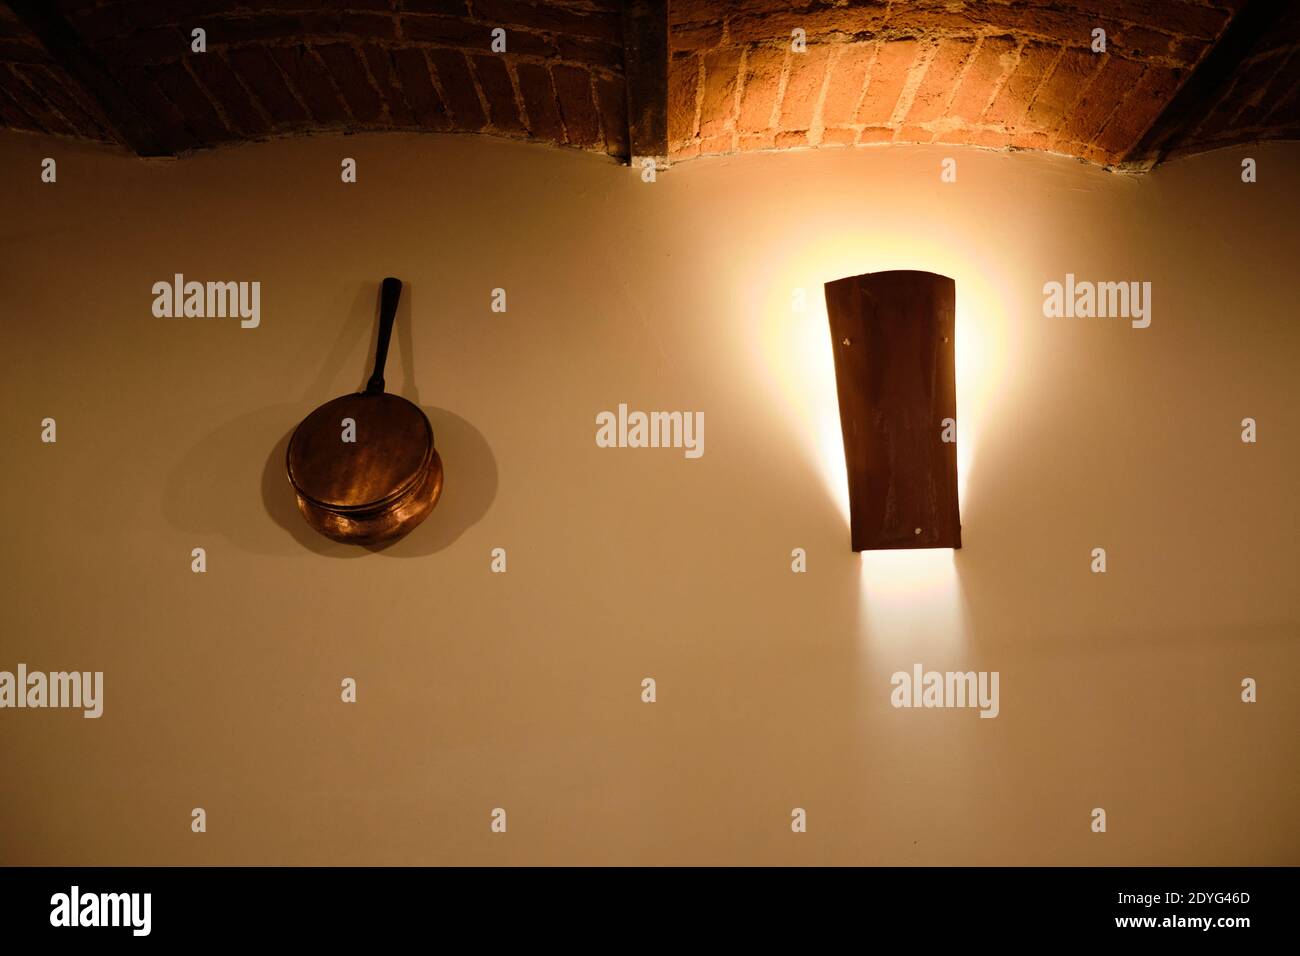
{"type": "Point", "coordinates": [892, 334]}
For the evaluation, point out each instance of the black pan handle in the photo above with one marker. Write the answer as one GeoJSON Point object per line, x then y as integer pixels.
{"type": "Point", "coordinates": [388, 296]}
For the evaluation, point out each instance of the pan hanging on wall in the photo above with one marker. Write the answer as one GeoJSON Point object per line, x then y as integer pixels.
{"type": "Point", "coordinates": [363, 466]}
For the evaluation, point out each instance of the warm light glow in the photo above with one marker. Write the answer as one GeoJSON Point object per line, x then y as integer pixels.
{"type": "Point", "coordinates": [798, 359]}
{"type": "Point", "coordinates": [903, 592]}
{"type": "Point", "coordinates": [903, 578]}
{"type": "Point", "coordinates": [912, 596]}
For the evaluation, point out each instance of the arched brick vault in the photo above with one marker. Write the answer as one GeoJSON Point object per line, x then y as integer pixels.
{"type": "Point", "coordinates": [1177, 75]}
{"type": "Point", "coordinates": [995, 74]}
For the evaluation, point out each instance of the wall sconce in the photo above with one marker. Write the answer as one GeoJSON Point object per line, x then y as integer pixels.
{"type": "Point", "coordinates": [895, 373]}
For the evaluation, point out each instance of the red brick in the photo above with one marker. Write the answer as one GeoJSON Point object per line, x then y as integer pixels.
{"type": "Point", "coordinates": [1149, 97]}
{"type": "Point", "coordinates": [158, 45]}
{"type": "Point", "coordinates": [1030, 139]}
{"type": "Point", "coordinates": [1172, 16]}
{"type": "Point", "coordinates": [138, 13]}
{"type": "Point", "coordinates": [550, 16]}
{"type": "Point", "coordinates": [222, 84]}
{"type": "Point", "coordinates": [924, 18]}
{"type": "Point", "coordinates": [349, 75]}
{"type": "Point", "coordinates": [1188, 51]}
{"type": "Point", "coordinates": [61, 93]}
{"type": "Point", "coordinates": [952, 135]}
{"type": "Point", "coordinates": [694, 36]}
{"type": "Point", "coordinates": [913, 134]}
{"type": "Point", "coordinates": [720, 75]}
{"type": "Point", "coordinates": [577, 110]}
{"type": "Point", "coordinates": [888, 76]}
{"type": "Point", "coordinates": [1009, 106]}
{"type": "Point", "coordinates": [764, 67]}
{"type": "Point", "coordinates": [297, 27]}
{"type": "Point", "coordinates": [458, 90]}
{"type": "Point", "coordinates": [359, 26]}
{"type": "Point", "coordinates": [722, 143]}
{"type": "Point", "coordinates": [1138, 42]}
{"type": "Point", "coordinates": [461, 33]}
{"type": "Point", "coordinates": [848, 77]}
{"type": "Point", "coordinates": [839, 136]}
{"type": "Point", "coordinates": [589, 52]}
{"type": "Point", "coordinates": [1022, 66]}
{"type": "Point", "coordinates": [521, 42]}
{"type": "Point", "coordinates": [688, 151]}
{"type": "Point", "coordinates": [778, 24]}
{"type": "Point", "coordinates": [1058, 145]}
{"type": "Point", "coordinates": [1283, 90]}
{"type": "Point", "coordinates": [993, 61]}
{"type": "Point", "coordinates": [312, 83]}
{"type": "Point", "coordinates": [683, 86]}
{"type": "Point", "coordinates": [611, 103]}
{"type": "Point", "coordinates": [246, 28]}
{"type": "Point", "coordinates": [539, 102]}
{"type": "Point", "coordinates": [166, 120]}
{"type": "Point", "coordinates": [416, 76]}
{"type": "Point", "coordinates": [175, 82]}
{"type": "Point", "coordinates": [996, 139]}
{"type": "Point", "coordinates": [876, 134]}
{"type": "Point", "coordinates": [450, 8]}
{"type": "Point", "coordinates": [940, 77]}
{"type": "Point", "coordinates": [494, 81]}
{"type": "Point", "coordinates": [259, 72]}
{"type": "Point", "coordinates": [1268, 81]}
{"type": "Point", "coordinates": [1222, 116]}
{"type": "Point", "coordinates": [1068, 79]}
{"type": "Point", "coordinates": [102, 128]}
{"type": "Point", "coordinates": [381, 69]}
{"type": "Point", "coordinates": [1114, 81]}
{"type": "Point", "coordinates": [13, 115]}
{"type": "Point", "coordinates": [44, 117]}
{"type": "Point", "coordinates": [1095, 154]}
{"type": "Point", "coordinates": [691, 11]}
{"type": "Point", "coordinates": [803, 88]}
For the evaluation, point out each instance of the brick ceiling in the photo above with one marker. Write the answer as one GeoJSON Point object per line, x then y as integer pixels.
{"type": "Point", "coordinates": [1177, 75]}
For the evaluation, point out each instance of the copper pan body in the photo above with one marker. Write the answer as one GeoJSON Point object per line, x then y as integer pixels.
{"type": "Point", "coordinates": [385, 524]}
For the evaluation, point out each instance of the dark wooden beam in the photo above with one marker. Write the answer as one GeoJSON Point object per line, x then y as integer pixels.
{"type": "Point", "coordinates": [895, 373]}
{"type": "Point", "coordinates": [68, 50]}
{"type": "Point", "coordinates": [1210, 79]}
{"type": "Point", "coordinates": [645, 70]}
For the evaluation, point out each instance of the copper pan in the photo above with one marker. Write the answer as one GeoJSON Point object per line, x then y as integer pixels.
{"type": "Point", "coordinates": [382, 483]}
